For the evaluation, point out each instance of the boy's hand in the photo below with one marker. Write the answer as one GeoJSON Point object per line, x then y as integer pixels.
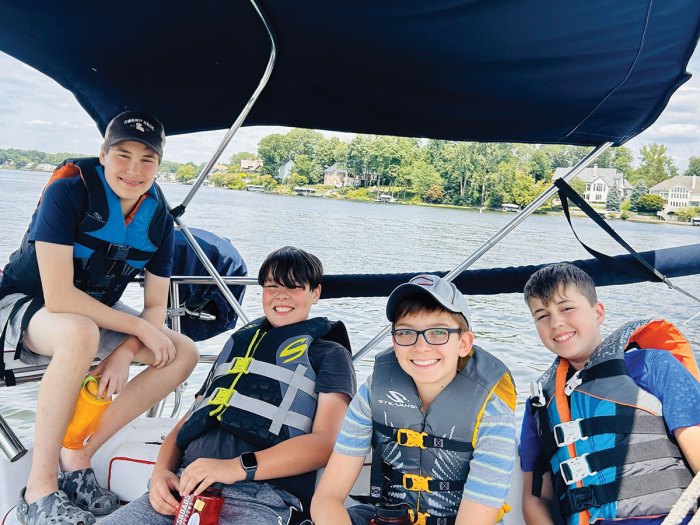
{"type": "Point", "coordinates": [163, 482]}
{"type": "Point", "coordinates": [202, 472]}
{"type": "Point", "coordinates": [162, 347]}
{"type": "Point", "coordinates": [113, 372]}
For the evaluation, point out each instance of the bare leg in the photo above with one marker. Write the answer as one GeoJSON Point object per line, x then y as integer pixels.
{"type": "Point", "coordinates": [72, 340]}
{"type": "Point", "coordinates": [140, 394]}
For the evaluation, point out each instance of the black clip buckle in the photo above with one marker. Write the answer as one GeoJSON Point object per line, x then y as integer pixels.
{"type": "Point", "coordinates": [580, 499]}
{"type": "Point", "coordinates": [117, 252]}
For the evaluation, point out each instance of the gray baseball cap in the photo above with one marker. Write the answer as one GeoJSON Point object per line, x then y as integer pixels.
{"type": "Point", "coordinates": [444, 292]}
{"type": "Point", "coordinates": [138, 126]}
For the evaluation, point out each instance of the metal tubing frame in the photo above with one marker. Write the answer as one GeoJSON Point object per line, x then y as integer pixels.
{"type": "Point", "coordinates": [215, 157]}
{"type": "Point", "coordinates": [497, 237]}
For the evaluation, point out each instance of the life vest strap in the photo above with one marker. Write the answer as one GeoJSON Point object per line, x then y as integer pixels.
{"type": "Point", "coordinates": [404, 438]}
{"type": "Point", "coordinates": [575, 469]}
{"type": "Point", "coordinates": [626, 421]}
{"type": "Point", "coordinates": [115, 252]}
{"type": "Point", "coordinates": [247, 365]}
{"type": "Point", "coordinates": [582, 498]}
{"type": "Point", "coordinates": [423, 518]}
{"type": "Point", "coordinates": [416, 482]}
{"type": "Point", "coordinates": [610, 368]}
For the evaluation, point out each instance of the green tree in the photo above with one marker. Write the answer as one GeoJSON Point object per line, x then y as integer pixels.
{"type": "Point", "coordinates": [296, 179]}
{"type": "Point", "coordinates": [685, 214]}
{"type": "Point", "coordinates": [308, 168]}
{"type": "Point", "coordinates": [639, 190]}
{"type": "Point", "coordinates": [655, 166]}
{"type": "Point", "coordinates": [650, 203]}
{"type": "Point", "coordinates": [693, 167]}
{"type": "Point", "coordinates": [612, 203]}
{"type": "Point", "coordinates": [268, 182]}
{"type": "Point", "coordinates": [424, 178]}
{"type": "Point", "coordinates": [186, 172]}
{"type": "Point", "coordinates": [578, 186]}
{"type": "Point", "coordinates": [273, 151]}
{"type": "Point", "coordinates": [435, 194]}
{"type": "Point", "coordinates": [330, 151]}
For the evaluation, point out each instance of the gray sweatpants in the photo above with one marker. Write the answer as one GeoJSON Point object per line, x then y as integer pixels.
{"type": "Point", "coordinates": [245, 503]}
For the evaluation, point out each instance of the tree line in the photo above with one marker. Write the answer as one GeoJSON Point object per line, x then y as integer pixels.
{"type": "Point", "coordinates": [447, 172]}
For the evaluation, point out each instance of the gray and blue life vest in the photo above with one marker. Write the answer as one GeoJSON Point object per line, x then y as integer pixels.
{"type": "Point", "coordinates": [263, 389]}
{"type": "Point", "coordinates": [420, 459]}
{"type": "Point", "coordinates": [604, 438]}
{"type": "Point", "coordinates": [108, 253]}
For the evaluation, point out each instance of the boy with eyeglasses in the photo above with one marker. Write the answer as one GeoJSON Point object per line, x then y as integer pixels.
{"type": "Point", "coordinates": [437, 413]}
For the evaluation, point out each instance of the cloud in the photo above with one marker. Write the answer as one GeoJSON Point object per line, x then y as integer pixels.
{"type": "Point", "coordinates": [40, 123]}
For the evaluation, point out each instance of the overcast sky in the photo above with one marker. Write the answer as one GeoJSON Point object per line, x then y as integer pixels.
{"type": "Point", "coordinates": [37, 113]}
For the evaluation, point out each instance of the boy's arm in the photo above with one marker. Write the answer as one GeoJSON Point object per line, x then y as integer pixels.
{"type": "Point", "coordinates": [536, 509]}
{"type": "Point", "coordinates": [473, 513]}
{"type": "Point", "coordinates": [328, 504]}
{"type": "Point", "coordinates": [689, 440]}
{"type": "Point", "coordinates": [163, 479]}
{"type": "Point", "coordinates": [293, 456]}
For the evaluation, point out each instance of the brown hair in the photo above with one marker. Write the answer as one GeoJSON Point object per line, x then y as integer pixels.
{"type": "Point", "coordinates": [547, 283]}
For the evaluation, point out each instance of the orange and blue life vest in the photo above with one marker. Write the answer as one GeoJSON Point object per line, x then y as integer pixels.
{"type": "Point", "coordinates": [604, 438]}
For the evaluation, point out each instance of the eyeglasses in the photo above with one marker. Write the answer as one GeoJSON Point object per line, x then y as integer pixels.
{"type": "Point", "coordinates": [432, 336]}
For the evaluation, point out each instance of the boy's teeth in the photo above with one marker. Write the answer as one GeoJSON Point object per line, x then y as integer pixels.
{"type": "Point", "coordinates": [283, 308]}
{"type": "Point", "coordinates": [425, 362]}
{"type": "Point", "coordinates": [564, 337]}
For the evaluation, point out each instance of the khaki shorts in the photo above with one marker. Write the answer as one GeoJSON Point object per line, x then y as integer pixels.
{"type": "Point", "coordinates": [109, 339]}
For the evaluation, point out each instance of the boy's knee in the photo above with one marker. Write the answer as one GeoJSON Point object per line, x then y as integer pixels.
{"type": "Point", "coordinates": [186, 349]}
{"type": "Point", "coordinates": [81, 336]}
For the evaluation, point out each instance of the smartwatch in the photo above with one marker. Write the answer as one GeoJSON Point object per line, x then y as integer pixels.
{"type": "Point", "coordinates": [250, 464]}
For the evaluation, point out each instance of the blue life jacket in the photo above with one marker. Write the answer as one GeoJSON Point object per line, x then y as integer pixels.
{"type": "Point", "coordinates": [422, 459]}
{"type": "Point", "coordinates": [263, 389]}
{"type": "Point", "coordinates": [107, 253]}
{"type": "Point", "coordinates": [604, 438]}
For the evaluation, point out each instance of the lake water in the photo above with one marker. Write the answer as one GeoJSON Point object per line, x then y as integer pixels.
{"type": "Point", "coordinates": [354, 237]}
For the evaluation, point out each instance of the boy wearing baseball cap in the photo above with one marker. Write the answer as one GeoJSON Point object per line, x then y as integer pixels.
{"type": "Point", "coordinates": [437, 414]}
{"type": "Point", "coordinates": [99, 222]}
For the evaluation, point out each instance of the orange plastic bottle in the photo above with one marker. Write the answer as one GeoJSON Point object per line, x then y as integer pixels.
{"type": "Point", "coordinates": [87, 414]}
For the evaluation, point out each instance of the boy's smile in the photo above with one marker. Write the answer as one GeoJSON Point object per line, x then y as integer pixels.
{"type": "Point", "coordinates": [284, 306]}
{"type": "Point", "coordinates": [130, 169]}
{"type": "Point", "coordinates": [431, 367]}
{"type": "Point", "coordinates": [569, 326]}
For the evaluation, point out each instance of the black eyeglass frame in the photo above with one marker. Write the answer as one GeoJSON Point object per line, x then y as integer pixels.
{"type": "Point", "coordinates": [449, 331]}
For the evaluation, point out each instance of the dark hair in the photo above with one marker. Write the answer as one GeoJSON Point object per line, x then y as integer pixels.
{"type": "Point", "coordinates": [292, 268]}
{"type": "Point", "coordinates": [422, 303]}
{"type": "Point", "coordinates": [546, 283]}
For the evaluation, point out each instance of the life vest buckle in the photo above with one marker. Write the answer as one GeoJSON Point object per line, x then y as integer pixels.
{"type": "Point", "coordinates": [222, 396]}
{"type": "Point", "coordinates": [117, 252]}
{"type": "Point", "coordinates": [568, 432]}
{"type": "Point", "coordinates": [418, 518]}
{"type": "Point", "coordinates": [537, 398]}
{"type": "Point", "coordinates": [410, 438]}
{"type": "Point", "coordinates": [240, 365]}
{"type": "Point", "coordinates": [416, 482]}
{"type": "Point", "coordinates": [573, 383]}
{"type": "Point", "coordinates": [575, 469]}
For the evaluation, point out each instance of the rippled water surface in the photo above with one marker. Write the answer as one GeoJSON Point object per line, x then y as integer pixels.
{"type": "Point", "coordinates": [352, 237]}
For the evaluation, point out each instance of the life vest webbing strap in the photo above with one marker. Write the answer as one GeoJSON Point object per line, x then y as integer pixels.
{"type": "Point", "coordinates": [266, 410]}
{"type": "Point", "coordinates": [428, 440]}
{"type": "Point", "coordinates": [272, 371]}
{"type": "Point", "coordinates": [580, 467]}
{"type": "Point", "coordinates": [626, 421]}
{"type": "Point", "coordinates": [582, 498]}
{"type": "Point", "coordinates": [115, 252]}
{"type": "Point", "coordinates": [610, 368]}
{"type": "Point", "coordinates": [396, 477]}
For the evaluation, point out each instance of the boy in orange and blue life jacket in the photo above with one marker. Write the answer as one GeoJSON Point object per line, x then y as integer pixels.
{"type": "Point", "coordinates": [611, 432]}
{"type": "Point", "coordinates": [99, 222]}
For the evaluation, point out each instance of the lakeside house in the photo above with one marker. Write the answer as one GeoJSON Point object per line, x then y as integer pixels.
{"type": "Point", "coordinates": [337, 175]}
{"type": "Point", "coordinates": [284, 171]}
{"type": "Point", "coordinates": [681, 191]}
{"type": "Point", "coordinates": [251, 165]}
{"type": "Point", "coordinates": [598, 183]}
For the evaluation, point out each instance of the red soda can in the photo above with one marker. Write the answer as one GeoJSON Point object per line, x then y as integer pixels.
{"type": "Point", "coordinates": [200, 510]}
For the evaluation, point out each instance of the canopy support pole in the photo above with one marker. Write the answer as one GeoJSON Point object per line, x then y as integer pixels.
{"type": "Point", "coordinates": [497, 237]}
{"type": "Point", "coordinates": [179, 210]}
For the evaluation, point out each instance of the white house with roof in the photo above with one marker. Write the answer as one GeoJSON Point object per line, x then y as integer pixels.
{"type": "Point", "coordinates": [681, 191]}
{"type": "Point", "coordinates": [598, 183]}
{"type": "Point", "coordinates": [285, 170]}
{"type": "Point", "coordinates": [251, 165]}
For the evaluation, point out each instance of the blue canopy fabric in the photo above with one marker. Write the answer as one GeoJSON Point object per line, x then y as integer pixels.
{"type": "Point", "coordinates": [541, 71]}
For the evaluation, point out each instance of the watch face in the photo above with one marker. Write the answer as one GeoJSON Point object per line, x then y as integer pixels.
{"type": "Point", "coordinates": [248, 460]}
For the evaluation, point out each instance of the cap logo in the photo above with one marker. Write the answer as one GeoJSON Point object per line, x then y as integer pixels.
{"type": "Point", "coordinates": [422, 280]}
{"type": "Point", "coordinates": [139, 124]}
